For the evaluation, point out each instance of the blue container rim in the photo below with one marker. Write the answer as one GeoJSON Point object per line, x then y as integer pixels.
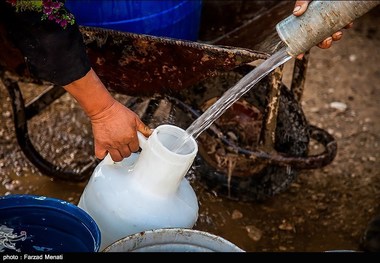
{"type": "Point", "coordinates": [53, 204]}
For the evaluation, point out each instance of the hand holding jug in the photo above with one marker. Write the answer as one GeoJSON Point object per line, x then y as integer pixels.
{"type": "Point", "coordinates": [145, 191]}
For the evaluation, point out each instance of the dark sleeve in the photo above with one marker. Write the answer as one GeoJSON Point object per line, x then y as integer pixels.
{"type": "Point", "coordinates": [51, 52]}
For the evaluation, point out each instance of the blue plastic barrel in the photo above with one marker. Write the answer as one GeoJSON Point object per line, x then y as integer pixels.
{"type": "Point", "coordinates": [35, 224]}
{"type": "Point", "coordinates": [167, 18]}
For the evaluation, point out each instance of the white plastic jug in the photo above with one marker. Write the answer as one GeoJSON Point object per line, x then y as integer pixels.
{"type": "Point", "coordinates": [145, 191]}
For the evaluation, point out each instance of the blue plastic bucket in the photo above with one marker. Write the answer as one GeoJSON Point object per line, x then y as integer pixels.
{"type": "Point", "coordinates": [35, 224]}
{"type": "Point", "coordinates": [168, 18]}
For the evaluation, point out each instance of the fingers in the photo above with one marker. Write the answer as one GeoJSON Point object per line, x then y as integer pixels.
{"type": "Point", "coordinates": [300, 7]}
{"type": "Point", "coordinates": [116, 133]}
{"type": "Point", "coordinates": [121, 150]}
{"type": "Point", "coordinates": [100, 153]}
{"type": "Point", "coordinates": [133, 146]}
{"type": "Point", "coordinates": [116, 156]}
{"type": "Point", "coordinates": [337, 36]}
{"type": "Point", "coordinates": [300, 56]}
{"type": "Point", "coordinates": [349, 25]}
{"type": "Point", "coordinates": [326, 43]}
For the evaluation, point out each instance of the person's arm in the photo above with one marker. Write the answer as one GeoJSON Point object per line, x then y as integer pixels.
{"type": "Point", "coordinates": [299, 8]}
{"type": "Point", "coordinates": [114, 126]}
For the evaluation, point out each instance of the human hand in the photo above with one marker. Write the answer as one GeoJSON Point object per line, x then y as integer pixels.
{"type": "Point", "coordinates": [114, 126]}
{"type": "Point", "coordinates": [115, 131]}
{"type": "Point", "coordinates": [299, 8]}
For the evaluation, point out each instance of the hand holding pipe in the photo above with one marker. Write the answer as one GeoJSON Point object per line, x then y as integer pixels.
{"type": "Point", "coordinates": [321, 19]}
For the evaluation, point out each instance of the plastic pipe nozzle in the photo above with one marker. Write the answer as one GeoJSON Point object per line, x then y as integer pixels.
{"type": "Point", "coordinates": [321, 20]}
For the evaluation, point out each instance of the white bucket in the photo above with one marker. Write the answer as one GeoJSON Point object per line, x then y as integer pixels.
{"type": "Point", "coordinates": [172, 240]}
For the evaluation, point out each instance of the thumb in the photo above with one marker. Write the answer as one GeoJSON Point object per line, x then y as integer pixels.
{"type": "Point", "coordinates": [145, 130]}
{"type": "Point", "coordinates": [300, 7]}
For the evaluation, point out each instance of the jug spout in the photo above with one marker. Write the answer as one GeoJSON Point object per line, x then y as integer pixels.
{"type": "Point", "coordinates": [160, 170]}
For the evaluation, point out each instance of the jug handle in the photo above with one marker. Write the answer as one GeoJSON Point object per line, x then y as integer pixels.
{"type": "Point", "coordinates": [142, 140]}
{"type": "Point", "coordinates": [107, 160]}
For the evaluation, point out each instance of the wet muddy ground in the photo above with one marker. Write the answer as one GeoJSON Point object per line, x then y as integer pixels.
{"type": "Point", "coordinates": [323, 209]}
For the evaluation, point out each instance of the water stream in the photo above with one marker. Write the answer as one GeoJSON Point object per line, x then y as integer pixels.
{"type": "Point", "coordinates": [231, 96]}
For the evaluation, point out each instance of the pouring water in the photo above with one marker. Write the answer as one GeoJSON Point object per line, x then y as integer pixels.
{"type": "Point", "coordinates": [231, 96]}
{"type": "Point", "coordinates": [299, 34]}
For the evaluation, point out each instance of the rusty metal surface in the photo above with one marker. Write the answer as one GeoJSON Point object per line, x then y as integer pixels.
{"type": "Point", "coordinates": [142, 65]}
{"type": "Point", "coordinates": [136, 64]}
{"type": "Point", "coordinates": [299, 73]}
{"type": "Point", "coordinates": [269, 125]}
{"type": "Point", "coordinates": [294, 155]}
